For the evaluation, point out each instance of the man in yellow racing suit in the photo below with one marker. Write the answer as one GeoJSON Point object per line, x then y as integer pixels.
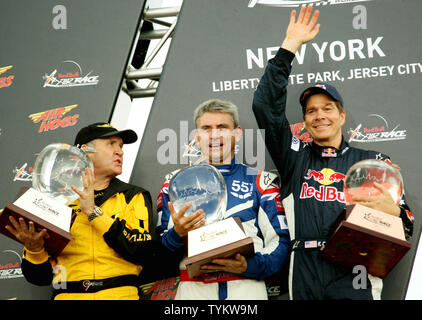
{"type": "Point", "coordinates": [111, 240]}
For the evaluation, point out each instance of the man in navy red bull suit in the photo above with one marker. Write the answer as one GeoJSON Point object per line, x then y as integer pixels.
{"type": "Point", "coordinates": [312, 174]}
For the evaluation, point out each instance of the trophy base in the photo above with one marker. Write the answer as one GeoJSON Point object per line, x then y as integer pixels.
{"type": "Point", "coordinates": [231, 239]}
{"type": "Point", "coordinates": [355, 242]}
{"type": "Point", "coordinates": [58, 238]}
{"type": "Point", "coordinates": [193, 264]}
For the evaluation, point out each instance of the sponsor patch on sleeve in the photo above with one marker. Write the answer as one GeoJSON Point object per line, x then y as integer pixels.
{"type": "Point", "coordinates": [295, 143]}
{"type": "Point", "coordinates": [283, 221]}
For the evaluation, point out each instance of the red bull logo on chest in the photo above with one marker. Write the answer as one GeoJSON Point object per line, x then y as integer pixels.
{"type": "Point", "coordinates": [326, 177]}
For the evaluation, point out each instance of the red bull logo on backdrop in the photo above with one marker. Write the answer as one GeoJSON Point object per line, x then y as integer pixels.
{"type": "Point", "coordinates": [55, 118]}
{"type": "Point", "coordinates": [326, 191]}
{"type": "Point", "coordinates": [297, 3]}
{"type": "Point", "coordinates": [70, 75]}
{"type": "Point", "coordinates": [23, 173]}
{"type": "Point", "coordinates": [10, 265]}
{"type": "Point", "coordinates": [377, 130]}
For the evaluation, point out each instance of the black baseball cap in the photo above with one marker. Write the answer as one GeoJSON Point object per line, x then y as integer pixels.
{"type": "Point", "coordinates": [320, 87]}
{"type": "Point", "coordinates": [100, 130]}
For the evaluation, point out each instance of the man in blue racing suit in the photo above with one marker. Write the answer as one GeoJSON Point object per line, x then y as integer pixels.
{"type": "Point", "coordinates": [312, 174]}
{"type": "Point", "coordinates": [252, 195]}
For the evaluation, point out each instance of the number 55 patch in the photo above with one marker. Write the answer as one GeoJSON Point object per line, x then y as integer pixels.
{"type": "Point", "coordinates": [241, 189]}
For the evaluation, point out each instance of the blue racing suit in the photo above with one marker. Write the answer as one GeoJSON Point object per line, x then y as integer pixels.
{"type": "Point", "coordinates": [254, 197]}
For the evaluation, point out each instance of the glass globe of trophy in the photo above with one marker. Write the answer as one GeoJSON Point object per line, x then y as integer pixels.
{"type": "Point", "coordinates": [361, 177]}
{"type": "Point", "coordinates": [203, 186]}
{"type": "Point", "coordinates": [363, 235]}
{"type": "Point", "coordinates": [56, 169]}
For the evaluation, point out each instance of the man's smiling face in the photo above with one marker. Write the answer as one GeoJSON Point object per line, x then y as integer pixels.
{"type": "Point", "coordinates": [323, 120]}
{"type": "Point", "coordinates": [216, 136]}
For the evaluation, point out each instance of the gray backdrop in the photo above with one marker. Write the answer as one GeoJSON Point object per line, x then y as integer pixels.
{"type": "Point", "coordinates": [85, 46]}
{"type": "Point", "coordinates": [220, 48]}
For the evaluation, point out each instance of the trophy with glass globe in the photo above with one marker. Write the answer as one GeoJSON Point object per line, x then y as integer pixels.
{"type": "Point", "coordinates": [57, 168]}
{"type": "Point", "coordinates": [203, 185]}
{"type": "Point", "coordinates": [365, 236]}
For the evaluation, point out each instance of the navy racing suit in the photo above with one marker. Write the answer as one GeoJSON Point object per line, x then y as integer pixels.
{"type": "Point", "coordinates": [312, 180]}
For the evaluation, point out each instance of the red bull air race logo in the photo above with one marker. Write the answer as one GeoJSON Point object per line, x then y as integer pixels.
{"type": "Point", "coordinates": [23, 173]}
{"type": "Point", "coordinates": [377, 130]}
{"type": "Point", "coordinates": [10, 265]}
{"type": "Point", "coordinates": [70, 75]}
{"type": "Point", "coordinates": [297, 3]}
{"type": "Point", "coordinates": [327, 191]}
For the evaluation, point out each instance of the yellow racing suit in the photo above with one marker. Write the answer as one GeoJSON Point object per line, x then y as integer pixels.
{"type": "Point", "coordinates": [105, 257]}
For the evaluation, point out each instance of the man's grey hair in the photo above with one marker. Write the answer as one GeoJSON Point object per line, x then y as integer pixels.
{"type": "Point", "coordinates": [216, 105]}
